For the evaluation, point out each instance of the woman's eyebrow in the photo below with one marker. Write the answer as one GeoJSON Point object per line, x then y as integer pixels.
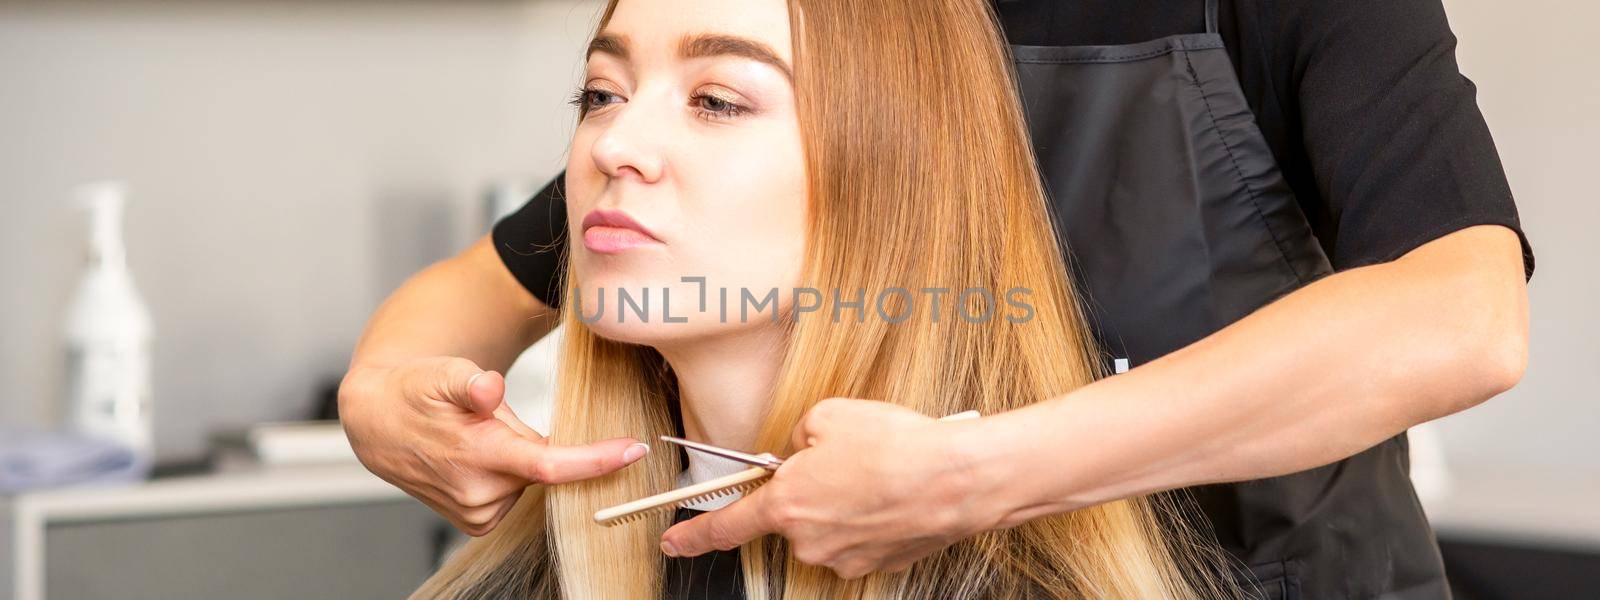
{"type": "Point", "coordinates": [708, 45]}
{"type": "Point", "coordinates": [608, 43]}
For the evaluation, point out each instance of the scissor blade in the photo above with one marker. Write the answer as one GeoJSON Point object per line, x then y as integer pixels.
{"type": "Point", "coordinates": [746, 458]}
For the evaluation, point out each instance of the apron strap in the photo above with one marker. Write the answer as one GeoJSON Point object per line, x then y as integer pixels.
{"type": "Point", "coordinates": [1211, 16]}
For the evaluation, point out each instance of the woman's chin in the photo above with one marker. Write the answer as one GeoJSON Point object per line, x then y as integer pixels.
{"type": "Point", "coordinates": [655, 333]}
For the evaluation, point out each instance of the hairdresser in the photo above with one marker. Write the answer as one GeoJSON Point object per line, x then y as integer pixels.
{"type": "Point", "coordinates": [1288, 219]}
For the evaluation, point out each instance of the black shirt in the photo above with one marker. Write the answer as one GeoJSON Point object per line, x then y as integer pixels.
{"type": "Point", "coordinates": [1361, 101]}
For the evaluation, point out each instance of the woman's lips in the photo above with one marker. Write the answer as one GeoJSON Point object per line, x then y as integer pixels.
{"type": "Point", "coordinates": [611, 231]}
{"type": "Point", "coordinates": [608, 240]}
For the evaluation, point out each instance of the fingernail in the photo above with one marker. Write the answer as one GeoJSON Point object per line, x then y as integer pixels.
{"type": "Point", "coordinates": [635, 452]}
{"type": "Point", "coordinates": [472, 379]}
{"type": "Point", "coordinates": [668, 549]}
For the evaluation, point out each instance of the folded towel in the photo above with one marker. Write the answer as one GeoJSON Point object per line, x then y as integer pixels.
{"type": "Point", "coordinates": [35, 459]}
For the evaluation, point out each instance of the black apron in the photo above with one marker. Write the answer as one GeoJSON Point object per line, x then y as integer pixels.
{"type": "Point", "coordinates": [1177, 223]}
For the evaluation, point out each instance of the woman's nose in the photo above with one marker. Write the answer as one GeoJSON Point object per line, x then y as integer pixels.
{"type": "Point", "coordinates": [625, 148]}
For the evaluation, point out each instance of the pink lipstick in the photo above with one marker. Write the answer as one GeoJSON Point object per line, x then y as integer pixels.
{"type": "Point", "coordinates": [611, 231]}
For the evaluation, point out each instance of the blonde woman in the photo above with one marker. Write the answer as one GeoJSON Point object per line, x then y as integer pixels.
{"type": "Point", "coordinates": [746, 185]}
{"type": "Point", "coordinates": [867, 163]}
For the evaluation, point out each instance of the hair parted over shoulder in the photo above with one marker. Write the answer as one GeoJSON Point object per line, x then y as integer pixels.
{"type": "Point", "coordinates": [920, 175]}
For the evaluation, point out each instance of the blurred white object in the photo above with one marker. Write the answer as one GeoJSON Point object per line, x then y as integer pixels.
{"type": "Point", "coordinates": [531, 382]}
{"type": "Point", "coordinates": [1430, 472]}
{"type": "Point", "coordinates": [286, 444]}
{"type": "Point", "coordinates": [108, 334]}
{"type": "Point", "coordinates": [276, 444]}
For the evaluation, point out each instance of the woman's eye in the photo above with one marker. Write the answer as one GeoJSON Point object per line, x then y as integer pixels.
{"type": "Point", "coordinates": [715, 107]}
{"type": "Point", "coordinates": [588, 99]}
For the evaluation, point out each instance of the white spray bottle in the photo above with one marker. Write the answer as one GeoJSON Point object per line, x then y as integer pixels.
{"type": "Point", "coordinates": [108, 334]}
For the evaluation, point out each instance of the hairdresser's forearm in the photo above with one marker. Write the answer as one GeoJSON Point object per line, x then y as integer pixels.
{"type": "Point", "coordinates": [467, 306]}
{"type": "Point", "coordinates": [1315, 377]}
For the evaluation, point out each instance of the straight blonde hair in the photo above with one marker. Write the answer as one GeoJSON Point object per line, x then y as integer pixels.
{"type": "Point", "coordinates": [920, 175]}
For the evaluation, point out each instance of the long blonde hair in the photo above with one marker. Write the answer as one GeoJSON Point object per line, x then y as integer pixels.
{"type": "Point", "coordinates": [920, 175]}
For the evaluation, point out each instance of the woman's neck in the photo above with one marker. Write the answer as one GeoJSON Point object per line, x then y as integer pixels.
{"type": "Point", "coordinates": [725, 384]}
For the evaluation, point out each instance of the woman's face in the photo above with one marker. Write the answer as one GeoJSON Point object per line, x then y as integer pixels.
{"type": "Point", "coordinates": [687, 163]}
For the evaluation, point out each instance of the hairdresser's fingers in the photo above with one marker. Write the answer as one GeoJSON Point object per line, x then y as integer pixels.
{"type": "Point", "coordinates": [814, 423]}
{"type": "Point", "coordinates": [456, 381]}
{"type": "Point", "coordinates": [458, 479]}
{"type": "Point", "coordinates": [897, 567]}
{"type": "Point", "coordinates": [902, 559]}
{"type": "Point", "coordinates": [799, 439]}
{"type": "Point", "coordinates": [451, 516]}
{"type": "Point", "coordinates": [473, 389]}
{"type": "Point", "coordinates": [484, 519]}
{"type": "Point", "coordinates": [509, 417]}
{"type": "Point", "coordinates": [852, 569]}
{"type": "Point", "coordinates": [473, 504]}
{"type": "Point", "coordinates": [800, 436]}
{"type": "Point", "coordinates": [505, 508]}
{"type": "Point", "coordinates": [540, 462]}
{"type": "Point", "coordinates": [562, 464]}
{"type": "Point", "coordinates": [724, 529]}
{"type": "Point", "coordinates": [863, 559]}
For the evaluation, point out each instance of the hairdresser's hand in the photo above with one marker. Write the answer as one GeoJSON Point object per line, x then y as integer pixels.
{"type": "Point", "coordinates": [438, 429]}
{"type": "Point", "coordinates": [875, 487]}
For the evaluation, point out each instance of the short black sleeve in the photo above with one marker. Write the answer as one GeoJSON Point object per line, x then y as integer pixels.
{"type": "Point", "coordinates": [532, 242]}
{"type": "Point", "coordinates": [1397, 146]}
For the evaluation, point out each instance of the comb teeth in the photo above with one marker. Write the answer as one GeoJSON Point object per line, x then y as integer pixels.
{"type": "Point", "coordinates": [655, 510]}
{"type": "Point", "coordinates": [727, 491]}
{"type": "Point", "coordinates": [631, 517]}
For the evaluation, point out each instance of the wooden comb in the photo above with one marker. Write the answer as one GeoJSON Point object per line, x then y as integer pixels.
{"type": "Point", "coordinates": [740, 482]}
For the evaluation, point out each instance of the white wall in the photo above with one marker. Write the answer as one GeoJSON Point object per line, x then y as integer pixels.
{"type": "Point", "coordinates": [1539, 86]}
{"type": "Point", "coordinates": [289, 163]}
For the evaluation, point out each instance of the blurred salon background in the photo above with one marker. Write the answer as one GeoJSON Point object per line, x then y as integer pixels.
{"type": "Point", "coordinates": [286, 164]}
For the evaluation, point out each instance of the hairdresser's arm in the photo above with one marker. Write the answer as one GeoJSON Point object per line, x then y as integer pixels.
{"type": "Point", "coordinates": [422, 401]}
{"type": "Point", "coordinates": [1320, 375]}
{"type": "Point", "coordinates": [1317, 376]}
